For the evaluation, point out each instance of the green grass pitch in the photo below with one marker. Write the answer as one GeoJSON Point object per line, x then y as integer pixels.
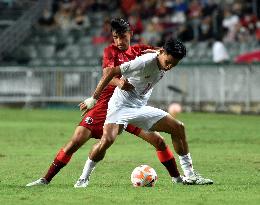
{"type": "Point", "coordinates": [225, 148]}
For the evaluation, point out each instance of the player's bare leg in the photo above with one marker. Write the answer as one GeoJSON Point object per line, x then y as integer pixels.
{"type": "Point", "coordinates": [110, 133]}
{"type": "Point", "coordinates": [98, 152]}
{"type": "Point", "coordinates": [81, 135]}
{"type": "Point", "coordinates": [177, 131]}
{"type": "Point", "coordinates": [164, 153]}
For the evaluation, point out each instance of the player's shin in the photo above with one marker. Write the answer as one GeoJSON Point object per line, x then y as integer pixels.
{"type": "Point", "coordinates": [184, 155]}
{"type": "Point", "coordinates": [181, 147]}
{"type": "Point", "coordinates": [167, 159]}
{"type": "Point", "coordinates": [58, 163]}
{"type": "Point", "coordinates": [88, 168]}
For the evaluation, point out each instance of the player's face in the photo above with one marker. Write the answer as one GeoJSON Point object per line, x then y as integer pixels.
{"type": "Point", "coordinates": [122, 41]}
{"type": "Point", "coordinates": [166, 61]}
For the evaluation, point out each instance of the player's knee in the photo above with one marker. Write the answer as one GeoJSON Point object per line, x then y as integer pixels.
{"type": "Point", "coordinates": [78, 139]}
{"type": "Point", "coordinates": [107, 140]}
{"type": "Point", "coordinates": [181, 130]}
{"type": "Point", "coordinates": [181, 126]}
{"type": "Point", "coordinates": [160, 143]}
{"type": "Point", "coordinates": [108, 137]}
{"type": "Point", "coordinates": [80, 134]}
{"type": "Point", "coordinates": [177, 129]}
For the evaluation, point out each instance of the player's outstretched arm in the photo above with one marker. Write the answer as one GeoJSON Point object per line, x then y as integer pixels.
{"type": "Point", "coordinates": [151, 50]}
{"type": "Point", "coordinates": [108, 75]}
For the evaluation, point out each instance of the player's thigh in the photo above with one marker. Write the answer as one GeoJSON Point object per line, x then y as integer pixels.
{"type": "Point", "coordinates": [167, 124]}
{"type": "Point", "coordinates": [154, 138]}
{"type": "Point", "coordinates": [81, 134]}
{"type": "Point", "coordinates": [110, 132]}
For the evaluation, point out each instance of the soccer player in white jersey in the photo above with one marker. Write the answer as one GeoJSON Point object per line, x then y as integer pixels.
{"type": "Point", "coordinates": [127, 107]}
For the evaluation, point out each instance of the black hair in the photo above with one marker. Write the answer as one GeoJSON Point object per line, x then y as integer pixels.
{"type": "Point", "coordinates": [175, 48]}
{"type": "Point", "coordinates": [119, 25]}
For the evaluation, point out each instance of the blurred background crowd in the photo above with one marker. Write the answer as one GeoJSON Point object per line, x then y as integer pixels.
{"type": "Point", "coordinates": [51, 50]}
{"type": "Point", "coordinates": [154, 20]}
{"type": "Point", "coordinates": [68, 25]}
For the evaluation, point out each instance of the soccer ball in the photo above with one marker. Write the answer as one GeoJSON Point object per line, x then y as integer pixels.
{"type": "Point", "coordinates": [143, 176]}
{"type": "Point", "coordinates": [174, 109]}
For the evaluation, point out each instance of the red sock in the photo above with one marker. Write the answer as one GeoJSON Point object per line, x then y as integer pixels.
{"type": "Point", "coordinates": [167, 159]}
{"type": "Point", "coordinates": [59, 162]}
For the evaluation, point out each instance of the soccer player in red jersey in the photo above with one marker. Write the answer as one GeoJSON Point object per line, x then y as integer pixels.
{"type": "Point", "coordinates": [91, 125]}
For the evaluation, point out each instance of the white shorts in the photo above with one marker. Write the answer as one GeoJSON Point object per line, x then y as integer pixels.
{"type": "Point", "coordinates": [144, 117]}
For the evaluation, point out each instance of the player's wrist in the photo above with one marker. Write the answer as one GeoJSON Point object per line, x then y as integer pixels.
{"type": "Point", "coordinates": [89, 99]}
{"type": "Point", "coordinates": [94, 97]}
{"type": "Point", "coordinates": [90, 102]}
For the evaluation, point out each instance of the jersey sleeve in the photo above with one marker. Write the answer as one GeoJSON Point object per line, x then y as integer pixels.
{"type": "Point", "coordinates": [128, 67]}
{"type": "Point", "coordinates": [108, 58]}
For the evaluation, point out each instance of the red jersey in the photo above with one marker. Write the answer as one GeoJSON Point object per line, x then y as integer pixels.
{"type": "Point", "coordinates": [95, 118]}
{"type": "Point", "coordinates": [113, 57]}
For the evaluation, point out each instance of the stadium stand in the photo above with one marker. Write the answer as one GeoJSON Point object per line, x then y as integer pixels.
{"type": "Point", "coordinates": [72, 32]}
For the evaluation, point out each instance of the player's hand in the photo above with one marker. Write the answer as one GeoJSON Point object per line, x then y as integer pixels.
{"type": "Point", "coordinates": [86, 105]}
{"type": "Point", "coordinates": [148, 51]}
{"type": "Point", "coordinates": [125, 85]}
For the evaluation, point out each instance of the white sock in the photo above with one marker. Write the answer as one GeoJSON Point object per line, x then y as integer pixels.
{"type": "Point", "coordinates": [186, 165]}
{"type": "Point", "coordinates": [88, 168]}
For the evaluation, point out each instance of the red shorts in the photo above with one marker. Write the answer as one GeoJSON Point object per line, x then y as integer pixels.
{"type": "Point", "coordinates": [95, 119]}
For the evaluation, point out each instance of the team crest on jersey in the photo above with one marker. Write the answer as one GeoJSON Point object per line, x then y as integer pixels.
{"type": "Point", "coordinates": [89, 120]}
{"type": "Point", "coordinates": [126, 67]}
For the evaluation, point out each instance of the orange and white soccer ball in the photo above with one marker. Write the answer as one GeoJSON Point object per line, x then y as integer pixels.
{"type": "Point", "coordinates": [143, 176]}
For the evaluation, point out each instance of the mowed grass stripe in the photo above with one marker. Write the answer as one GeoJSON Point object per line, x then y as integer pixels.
{"type": "Point", "coordinates": [225, 148]}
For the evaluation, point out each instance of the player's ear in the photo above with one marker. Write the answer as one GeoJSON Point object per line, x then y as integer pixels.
{"type": "Point", "coordinates": [161, 50]}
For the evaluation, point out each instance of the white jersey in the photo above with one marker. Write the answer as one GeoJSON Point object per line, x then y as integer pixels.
{"type": "Point", "coordinates": [143, 73]}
